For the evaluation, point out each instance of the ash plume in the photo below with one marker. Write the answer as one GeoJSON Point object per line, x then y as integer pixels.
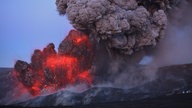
{"type": "Point", "coordinates": [174, 49]}
{"type": "Point", "coordinates": [125, 25]}
{"type": "Point", "coordinates": [106, 28]}
{"type": "Point", "coordinates": [128, 29]}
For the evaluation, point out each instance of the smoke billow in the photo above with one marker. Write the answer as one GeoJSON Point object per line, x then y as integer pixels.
{"type": "Point", "coordinates": [112, 37]}
{"type": "Point", "coordinates": [128, 26]}
{"type": "Point", "coordinates": [125, 25]}
{"type": "Point", "coordinates": [175, 48]}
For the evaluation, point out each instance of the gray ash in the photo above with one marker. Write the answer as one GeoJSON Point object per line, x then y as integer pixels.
{"type": "Point", "coordinates": [125, 25]}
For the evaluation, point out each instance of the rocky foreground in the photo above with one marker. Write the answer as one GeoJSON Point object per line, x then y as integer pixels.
{"type": "Point", "coordinates": [173, 87]}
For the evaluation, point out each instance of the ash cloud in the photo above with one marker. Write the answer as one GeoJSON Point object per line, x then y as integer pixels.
{"type": "Point", "coordinates": [175, 48]}
{"type": "Point", "coordinates": [125, 25]}
{"type": "Point", "coordinates": [128, 27]}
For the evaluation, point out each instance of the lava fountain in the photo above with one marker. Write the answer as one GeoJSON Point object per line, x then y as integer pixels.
{"type": "Point", "coordinates": [49, 69]}
{"type": "Point", "coordinates": [122, 28]}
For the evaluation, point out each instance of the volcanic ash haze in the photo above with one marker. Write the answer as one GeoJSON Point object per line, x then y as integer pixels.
{"type": "Point", "coordinates": [124, 25]}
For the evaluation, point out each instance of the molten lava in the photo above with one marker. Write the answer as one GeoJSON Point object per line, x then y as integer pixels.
{"type": "Point", "coordinates": [48, 69]}
{"type": "Point", "coordinates": [61, 61]}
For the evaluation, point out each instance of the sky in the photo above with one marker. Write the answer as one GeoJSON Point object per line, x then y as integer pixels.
{"type": "Point", "coordinates": [26, 25]}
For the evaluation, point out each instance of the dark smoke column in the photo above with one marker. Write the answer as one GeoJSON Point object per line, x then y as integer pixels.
{"type": "Point", "coordinates": [125, 25]}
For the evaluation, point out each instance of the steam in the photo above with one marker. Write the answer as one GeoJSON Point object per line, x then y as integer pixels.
{"type": "Point", "coordinates": [176, 47]}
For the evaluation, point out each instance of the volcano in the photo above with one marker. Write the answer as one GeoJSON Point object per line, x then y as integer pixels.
{"type": "Point", "coordinates": [122, 53]}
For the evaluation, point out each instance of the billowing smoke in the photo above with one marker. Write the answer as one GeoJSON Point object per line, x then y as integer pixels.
{"type": "Point", "coordinates": [175, 48]}
{"type": "Point", "coordinates": [125, 25]}
{"type": "Point", "coordinates": [128, 26]}
{"type": "Point", "coordinates": [112, 37]}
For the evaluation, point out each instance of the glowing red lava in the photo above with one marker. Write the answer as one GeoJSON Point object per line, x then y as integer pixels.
{"type": "Point", "coordinates": [49, 69]}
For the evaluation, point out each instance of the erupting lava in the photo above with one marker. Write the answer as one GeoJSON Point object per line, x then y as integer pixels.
{"type": "Point", "coordinates": [49, 69]}
{"type": "Point", "coordinates": [118, 27]}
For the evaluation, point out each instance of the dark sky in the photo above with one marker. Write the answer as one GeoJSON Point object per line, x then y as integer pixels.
{"type": "Point", "coordinates": [26, 25]}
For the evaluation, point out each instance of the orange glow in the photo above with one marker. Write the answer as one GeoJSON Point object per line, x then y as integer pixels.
{"type": "Point", "coordinates": [35, 90]}
{"type": "Point", "coordinates": [85, 76]}
{"type": "Point", "coordinates": [78, 40]}
{"type": "Point", "coordinates": [70, 64]}
{"type": "Point", "coordinates": [62, 61]}
{"type": "Point", "coordinates": [77, 37]}
{"type": "Point", "coordinates": [65, 63]}
{"type": "Point", "coordinates": [58, 70]}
